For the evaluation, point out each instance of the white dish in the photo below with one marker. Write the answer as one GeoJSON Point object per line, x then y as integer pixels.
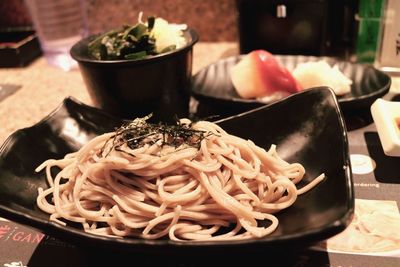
{"type": "Point", "coordinates": [386, 115]}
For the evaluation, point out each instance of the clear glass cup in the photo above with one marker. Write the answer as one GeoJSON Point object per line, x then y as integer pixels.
{"type": "Point", "coordinates": [59, 24]}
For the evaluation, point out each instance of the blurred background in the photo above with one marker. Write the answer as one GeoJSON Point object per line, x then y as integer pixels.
{"type": "Point", "coordinates": [215, 20]}
{"type": "Point", "coordinates": [348, 29]}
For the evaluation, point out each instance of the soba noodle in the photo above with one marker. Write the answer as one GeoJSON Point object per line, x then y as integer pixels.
{"type": "Point", "coordinates": [210, 186]}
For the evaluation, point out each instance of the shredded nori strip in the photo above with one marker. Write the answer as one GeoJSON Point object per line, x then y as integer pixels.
{"type": "Point", "coordinates": [139, 132]}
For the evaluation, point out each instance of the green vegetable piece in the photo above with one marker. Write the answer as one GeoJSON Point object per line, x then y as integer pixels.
{"type": "Point", "coordinates": [127, 42]}
{"type": "Point", "coordinates": [96, 43]}
{"type": "Point", "coordinates": [139, 30]}
{"type": "Point", "coordinates": [150, 22]}
{"type": "Point", "coordinates": [102, 54]}
{"type": "Point", "coordinates": [128, 32]}
{"type": "Point", "coordinates": [137, 55]}
{"type": "Point", "coordinates": [132, 38]}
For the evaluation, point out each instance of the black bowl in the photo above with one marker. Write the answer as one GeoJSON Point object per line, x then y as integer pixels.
{"type": "Point", "coordinates": [306, 127]}
{"type": "Point", "coordinates": [213, 87]}
{"type": "Point", "coordinates": [131, 88]}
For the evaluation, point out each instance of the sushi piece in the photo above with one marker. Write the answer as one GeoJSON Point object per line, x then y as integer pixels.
{"type": "Point", "coordinates": [259, 74]}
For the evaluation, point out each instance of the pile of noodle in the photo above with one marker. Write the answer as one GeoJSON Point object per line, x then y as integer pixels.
{"type": "Point", "coordinates": [220, 190]}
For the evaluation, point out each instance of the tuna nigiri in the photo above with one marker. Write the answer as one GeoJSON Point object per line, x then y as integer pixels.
{"type": "Point", "coordinates": [259, 74]}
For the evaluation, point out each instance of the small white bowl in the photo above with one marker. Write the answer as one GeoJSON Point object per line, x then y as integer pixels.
{"type": "Point", "coordinates": [386, 115]}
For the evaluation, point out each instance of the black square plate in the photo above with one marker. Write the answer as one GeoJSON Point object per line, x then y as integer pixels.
{"type": "Point", "coordinates": [307, 127]}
